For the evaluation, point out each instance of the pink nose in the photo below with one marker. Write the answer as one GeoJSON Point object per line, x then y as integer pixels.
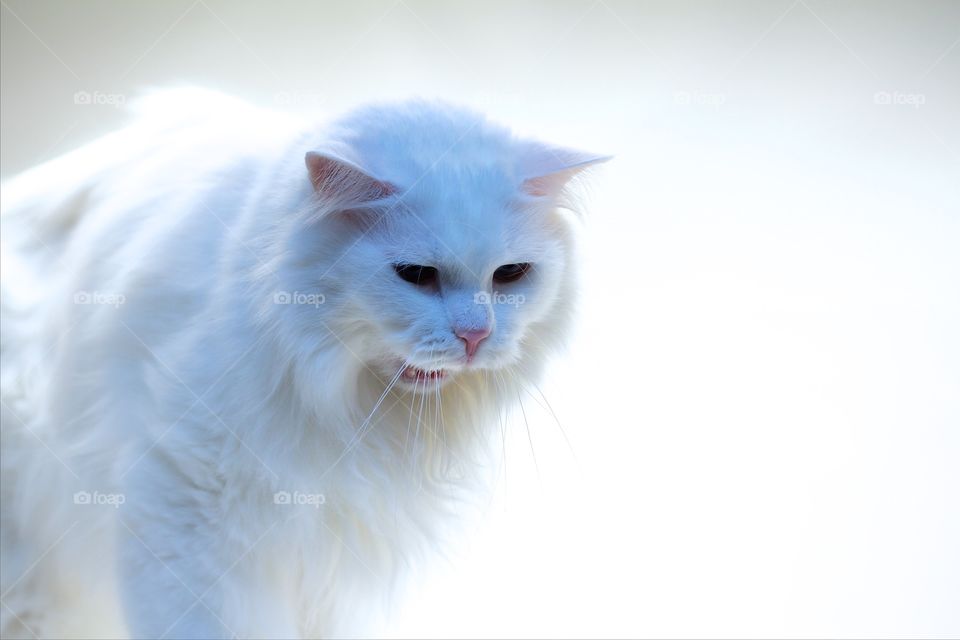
{"type": "Point", "coordinates": [472, 338]}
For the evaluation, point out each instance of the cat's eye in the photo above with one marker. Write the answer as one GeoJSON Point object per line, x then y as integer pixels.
{"type": "Point", "coordinates": [416, 273]}
{"type": "Point", "coordinates": [511, 272]}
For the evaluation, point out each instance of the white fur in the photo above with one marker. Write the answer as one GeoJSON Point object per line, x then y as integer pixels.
{"type": "Point", "coordinates": [185, 388]}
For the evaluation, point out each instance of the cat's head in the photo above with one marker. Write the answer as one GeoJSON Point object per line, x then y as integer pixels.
{"type": "Point", "coordinates": [446, 250]}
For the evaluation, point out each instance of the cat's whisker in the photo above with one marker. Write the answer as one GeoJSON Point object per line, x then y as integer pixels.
{"type": "Point", "coordinates": [533, 452]}
{"type": "Point", "coordinates": [503, 441]}
{"type": "Point", "coordinates": [556, 419]}
{"type": "Point", "coordinates": [358, 436]}
{"type": "Point", "coordinates": [521, 380]}
{"type": "Point", "coordinates": [406, 438]}
{"type": "Point", "coordinates": [386, 391]}
{"type": "Point", "coordinates": [526, 423]}
{"type": "Point", "coordinates": [503, 438]}
{"type": "Point", "coordinates": [416, 438]}
{"type": "Point", "coordinates": [443, 423]}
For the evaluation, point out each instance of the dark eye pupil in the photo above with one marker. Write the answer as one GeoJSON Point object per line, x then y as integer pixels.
{"type": "Point", "coordinates": [416, 273]}
{"type": "Point", "coordinates": [511, 272]}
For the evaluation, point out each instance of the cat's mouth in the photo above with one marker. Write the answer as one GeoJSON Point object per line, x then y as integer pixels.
{"type": "Point", "coordinates": [403, 375]}
{"type": "Point", "coordinates": [417, 375]}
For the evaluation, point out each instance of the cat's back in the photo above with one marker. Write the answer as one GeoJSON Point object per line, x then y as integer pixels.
{"type": "Point", "coordinates": [159, 197]}
{"type": "Point", "coordinates": [113, 249]}
{"type": "Point", "coordinates": [183, 150]}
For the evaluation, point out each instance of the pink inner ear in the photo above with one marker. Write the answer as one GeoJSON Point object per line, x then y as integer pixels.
{"type": "Point", "coordinates": [543, 186]}
{"type": "Point", "coordinates": [335, 177]}
{"type": "Point", "coordinates": [550, 169]}
{"type": "Point", "coordinates": [535, 187]}
{"type": "Point", "coordinates": [386, 188]}
{"type": "Point", "coordinates": [551, 184]}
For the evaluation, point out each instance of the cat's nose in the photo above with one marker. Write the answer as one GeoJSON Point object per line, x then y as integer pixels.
{"type": "Point", "coordinates": [472, 338]}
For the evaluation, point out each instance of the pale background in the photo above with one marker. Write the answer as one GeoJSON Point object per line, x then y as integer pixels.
{"type": "Point", "coordinates": [763, 400]}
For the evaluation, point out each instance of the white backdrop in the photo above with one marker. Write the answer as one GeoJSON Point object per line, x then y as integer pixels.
{"type": "Point", "coordinates": [763, 400]}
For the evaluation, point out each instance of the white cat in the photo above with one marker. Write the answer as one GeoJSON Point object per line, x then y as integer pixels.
{"type": "Point", "coordinates": [241, 393]}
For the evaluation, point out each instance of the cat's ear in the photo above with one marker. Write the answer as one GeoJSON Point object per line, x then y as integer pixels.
{"type": "Point", "coordinates": [546, 170]}
{"type": "Point", "coordinates": [337, 179]}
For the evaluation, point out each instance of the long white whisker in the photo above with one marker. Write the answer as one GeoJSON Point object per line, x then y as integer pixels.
{"type": "Point", "coordinates": [383, 395]}
{"type": "Point", "coordinates": [503, 436]}
{"type": "Point", "coordinates": [406, 438]}
{"type": "Point", "coordinates": [358, 436]}
{"type": "Point", "coordinates": [533, 453]}
{"type": "Point", "coordinates": [416, 437]}
{"type": "Point", "coordinates": [556, 419]}
{"type": "Point", "coordinates": [503, 431]}
{"type": "Point", "coordinates": [443, 424]}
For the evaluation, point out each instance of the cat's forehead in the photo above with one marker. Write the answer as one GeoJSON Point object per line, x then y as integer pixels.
{"type": "Point", "coordinates": [411, 142]}
{"type": "Point", "coordinates": [460, 180]}
{"type": "Point", "coordinates": [468, 217]}
{"type": "Point", "coordinates": [467, 231]}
